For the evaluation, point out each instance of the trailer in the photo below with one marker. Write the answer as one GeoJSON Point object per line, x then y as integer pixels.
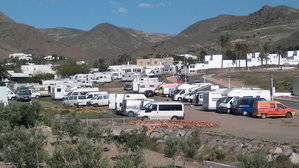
{"type": "Point", "coordinates": [210, 99]}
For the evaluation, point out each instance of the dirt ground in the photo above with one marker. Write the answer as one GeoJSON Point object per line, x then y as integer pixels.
{"type": "Point", "coordinates": [284, 130]}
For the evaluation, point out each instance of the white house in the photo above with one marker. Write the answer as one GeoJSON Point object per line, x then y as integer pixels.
{"type": "Point", "coordinates": [187, 56]}
{"type": "Point", "coordinates": [33, 69]}
{"type": "Point", "coordinates": [21, 56]}
{"type": "Point", "coordinates": [49, 58]}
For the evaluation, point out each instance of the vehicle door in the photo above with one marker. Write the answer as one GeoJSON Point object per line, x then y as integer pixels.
{"type": "Point", "coordinates": [152, 113]}
{"type": "Point", "coordinates": [280, 109]}
{"type": "Point", "coordinates": [105, 100]}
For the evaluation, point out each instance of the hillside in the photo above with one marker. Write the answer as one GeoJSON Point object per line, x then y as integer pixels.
{"type": "Point", "coordinates": [4, 18]}
{"type": "Point", "coordinates": [269, 24]}
{"type": "Point", "coordinates": [63, 33]}
{"type": "Point", "coordinates": [23, 38]}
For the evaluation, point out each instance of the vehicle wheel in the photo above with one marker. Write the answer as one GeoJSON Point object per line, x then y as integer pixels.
{"type": "Point", "coordinates": [131, 114]}
{"type": "Point", "coordinates": [179, 99]}
{"type": "Point", "coordinates": [36, 97]}
{"type": "Point", "coordinates": [263, 116]}
{"type": "Point", "coordinates": [228, 111]}
{"type": "Point", "coordinates": [145, 118]}
{"type": "Point", "coordinates": [245, 113]}
{"type": "Point", "coordinates": [289, 115]}
{"type": "Point", "coordinates": [174, 118]}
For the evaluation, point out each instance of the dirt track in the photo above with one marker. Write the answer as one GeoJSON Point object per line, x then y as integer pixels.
{"type": "Point", "coordinates": [275, 129]}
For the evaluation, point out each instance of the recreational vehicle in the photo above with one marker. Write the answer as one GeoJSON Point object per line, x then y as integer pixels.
{"type": "Point", "coordinates": [138, 81]}
{"type": "Point", "coordinates": [146, 86]}
{"type": "Point", "coordinates": [129, 76]}
{"type": "Point", "coordinates": [210, 99]}
{"type": "Point", "coordinates": [102, 77]}
{"type": "Point", "coordinates": [130, 107]}
{"type": "Point", "coordinates": [99, 100]}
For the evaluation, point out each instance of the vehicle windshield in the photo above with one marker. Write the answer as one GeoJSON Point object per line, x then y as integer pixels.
{"type": "Point", "coordinates": [22, 93]}
{"type": "Point", "coordinates": [227, 99]}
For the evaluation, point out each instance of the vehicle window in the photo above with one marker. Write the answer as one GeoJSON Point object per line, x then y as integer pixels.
{"type": "Point", "coordinates": [71, 98]}
{"type": "Point", "coordinates": [170, 107]}
{"type": "Point", "coordinates": [75, 93]}
{"type": "Point", "coordinates": [152, 86]}
{"type": "Point", "coordinates": [227, 99]}
{"type": "Point", "coordinates": [106, 96]}
{"type": "Point", "coordinates": [154, 107]}
{"type": "Point", "coordinates": [272, 105]}
{"type": "Point", "coordinates": [89, 96]}
{"type": "Point", "coordinates": [100, 97]}
{"type": "Point", "coordinates": [281, 106]}
{"type": "Point", "coordinates": [82, 97]}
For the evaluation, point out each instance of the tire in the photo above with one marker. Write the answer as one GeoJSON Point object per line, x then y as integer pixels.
{"type": "Point", "coordinates": [36, 97]}
{"type": "Point", "coordinates": [174, 118]}
{"type": "Point", "coordinates": [179, 99]}
{"type": "Point", "coordinates": [130, 114]}
{"type": "Point", "coordinates": [289, 115]}
{"type": "Point", "coordinates": [144, 118]}
{"type": "Point", "coordinates": [245, 113]}
{"type": "Point", "coordinates": [228, 111]}
{"type": "Point", "coordinates": [263, 116]}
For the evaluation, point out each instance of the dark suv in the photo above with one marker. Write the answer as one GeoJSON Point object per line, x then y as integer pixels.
{"type": "Point", "coordinates": [23, 94]}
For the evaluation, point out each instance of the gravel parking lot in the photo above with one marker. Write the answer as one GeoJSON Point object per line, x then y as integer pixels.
{"type": "Point", "coordinates": [270, 129]}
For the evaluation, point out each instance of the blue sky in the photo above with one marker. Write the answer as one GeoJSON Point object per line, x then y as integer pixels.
{"type": "Point", "coordinates": [164, 16]}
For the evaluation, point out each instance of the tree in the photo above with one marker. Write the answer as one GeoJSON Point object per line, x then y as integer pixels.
{"type": "Point", "coordinates": [18, 114]}
{"type": "Point", "coordinates": [242, 50]}
{"type": "Point", "coordinates": [70, 127]}
{"type": "Point", "coordinates": [3, 73]}
{"type": "Point", "coordinates": [264, 52]}
{"type": "Point", "coordinates": [202, 55]}
{"type": "Point", "coordinates": [101, 65]}
{"type": "Point", "coordinates": [24, 148]}
{"type": "Point", "coordinates": [281, 52]}
{"type": "Point", "coordinates": [225, 44]}
{"type": "Point", "coordinates": [132, 160]}
{"type": "Point", "coordinates": [70, 67]}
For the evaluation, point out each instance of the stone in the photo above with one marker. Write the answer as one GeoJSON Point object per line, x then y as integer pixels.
{"type": "Point", "coordinates": [287, 151]}
{"type": "Point", "coordinates": [276, 150]}
{"type": "Point", "coordinates": [157, 135]}
{"type": "Point", "coordinates": [294, 158]}
{"type": "Point", "coordinates": [270, 158]}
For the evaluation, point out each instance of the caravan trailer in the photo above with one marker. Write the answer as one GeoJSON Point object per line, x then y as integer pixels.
{"type": "Point", "coordinates": [210, 99]}
{"type": "Point", "coordinates": [102, 77]}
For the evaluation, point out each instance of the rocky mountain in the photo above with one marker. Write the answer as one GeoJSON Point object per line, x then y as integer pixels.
{"type": "Point", "coordinates": [5, 19]}
{"type": "Point", "coordinates": [269, 24]}
{"type": "Point", "coordinates": [63, 33]}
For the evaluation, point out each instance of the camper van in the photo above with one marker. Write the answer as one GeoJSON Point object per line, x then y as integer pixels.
{"type": "Point", "coordinates": [120, 99]}
{"type": "Point", "coordinates": [146, 86]}
{"type": "Point", "coordinates": [99, 100]}
{"type": "Point", "coordinates": [58, 92]}
{"type": "Point", "coordinates": [210, 99]}
{"type": "Point", "coordinates": [184, 90]}
{"type": "Point", "coordinates": [102, 77]}
{"type": "Point", "coordinates": [162, 111]}
{"type": "Point", "coordinates": [233, 93]}
{"type": "Point", "coordinates": [130, 107]}
{"type": "Point", "coordinates": [129, 77]}
{"type": "Point", "coordinates": [137, 81]}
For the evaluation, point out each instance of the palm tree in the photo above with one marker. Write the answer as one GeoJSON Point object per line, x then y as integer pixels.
{"type": "Point", "coordinates": [224, 42]}
{"type": "Point", "coordinates": [281, 52]}
{"type": "Point", "coordinates": [264, 52]}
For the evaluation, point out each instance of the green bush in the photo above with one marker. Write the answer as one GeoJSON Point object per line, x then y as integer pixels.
{"type": "Point", "coordinates": [133, 160]}
{"type": "Point", "coordinates": [20, 114]}
{"type": "Point", "coordinates": [215, 154]}
{"type": "Point", "coordinates": [95, 132]}
{"type": "Point", "coordinates": [23, 147]}
{"type": "Point", "coordinates": [254, 160]}
{"type": "Point", "coordinates": [172, 147]}
{"type": "Point", "coordinates": [283, 162]}
{"type": "Point", "coordinates": [191, 145]}
{"type": "Point", "coordinates": [69, 127]}
{"type": "Point", "coordinates": [83, 154]}
{"type": "Point", "coordinates": [134, 139]}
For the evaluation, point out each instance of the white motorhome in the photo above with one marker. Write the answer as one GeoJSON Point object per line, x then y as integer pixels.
{"type": "Point", "coordinates": [138, 81]}
{"type": "Point", "coordinates": [162, 111]}
{"type": "Point", "coordinates": [210, 99]}
{"type": "Point", "coordinates": [58, 92]}
{"type": "Point", "coordinates": [233, 93]}
{"type": "Point", "coordinates": [99, 100]}
{"type": "Point", "coordinates": [129, 76]}
{"type": "Point", "coordinates": [83, 90]}
{"type": "Point", "coordinates": [145, 86]}
{"type": "Point", "coordinates": [112, 101]}
{"type": "Point", "coordinates": [120, 99]}
{"type": "Point", "coordinates": [182, 90]}
{"type": "Point", "coordinates": [102, 77]}
{"type": "Point", "coordinates": [130, 107]}
{"type": "Point", "coordinates": [192, 92]}
{"type": "Point", "coordinates": [44, 90]}
{"type": "Point", "coordinates": [3, 95]}
{"type": "Point", "coordinates": [34, 93]}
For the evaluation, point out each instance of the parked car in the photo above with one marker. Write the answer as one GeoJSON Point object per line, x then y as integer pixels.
{"type": "Point", "coordinates": [149, 93]}
{"type": "Point", "coordinates": [244, 105]}
{"type": "Point", "coordinates": [162, 111]}
{"type": "Point", "coordinates": [128, 87]}
{"type": "Point", "coordinates": [23, 95]}
{"type": "Point", "coordinates": [266, 109]}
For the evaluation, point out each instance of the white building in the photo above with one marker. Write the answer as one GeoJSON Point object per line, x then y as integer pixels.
{"type": "Point", "coordinates": [49, 58]}
{"type": "Point", "coordinates": [21, 56]}
{"type": "Point", "coordinates": [33, 69]}
{"type": "Point", "coordinates": [187, 56]}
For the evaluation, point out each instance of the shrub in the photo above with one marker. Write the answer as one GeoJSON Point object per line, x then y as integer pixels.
{"type": "Point", "coordinates": [191, 145]}
{"type": "Point", "coordinates": [95, 132]}
{"type": "Point", "coordinates": [134, 139]}
{"type": "Point", "coordinates": [172, 147]}
{"type": "Point", "coordinates": [20, 114]}
{"type": "Point", "coordinates": [23, 147]}
{"type": "Point", "coordinates": [83, 154]}
{"type": "Point", "coordinates": [70, 127]}
{"type": "Point", "coordinates": [283, 162]}
{"type": "Point", "coordinates": [254, 160]}
{"type": "Point", "coordinates": [215, 154]}
{"type": "Point", "coordinates": [133, 160]}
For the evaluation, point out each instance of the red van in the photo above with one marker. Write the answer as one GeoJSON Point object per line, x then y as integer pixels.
{"type": "Point", "coordinates": [266, 109]}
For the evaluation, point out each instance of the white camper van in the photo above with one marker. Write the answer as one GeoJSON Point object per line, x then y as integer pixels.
{"type": "Point", "coordinates": [99, 100]}
{"type": "Point", "coordinates": [59, 92]}
{"type": "Point", "coordinates": [162, 111]}
{"type": "Point", "coordinates": [130, 107]}
{"type": "Point", "coordinates": [138, 81]}
{"type": "Point", "coordinates": [129, 76]}
{"type": "Point", "coordinates": [120, 99]}
{"type": "Point", "coordinates": [145, 86]}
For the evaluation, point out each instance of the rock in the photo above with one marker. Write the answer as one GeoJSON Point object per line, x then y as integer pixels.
{"type": "Point", "coordinates": [276, 150]}
{"type": "Point", "coordinates": [294, 158]}
{"type": "Point", "coordinates": [157, 135]}
{"type": "Point", "coordinates": [287, 151]}
{"type": "Point", "coordinates": [270, 158]}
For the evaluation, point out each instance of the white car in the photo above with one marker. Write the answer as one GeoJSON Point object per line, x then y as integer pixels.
{"type": "Point", "coordinates": [100, 100]}
{"type": "Point", "coordinates": [162, 111]}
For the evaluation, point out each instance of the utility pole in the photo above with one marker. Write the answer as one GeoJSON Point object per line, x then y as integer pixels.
{"type": "Point", "coordinates": [272, 85]}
